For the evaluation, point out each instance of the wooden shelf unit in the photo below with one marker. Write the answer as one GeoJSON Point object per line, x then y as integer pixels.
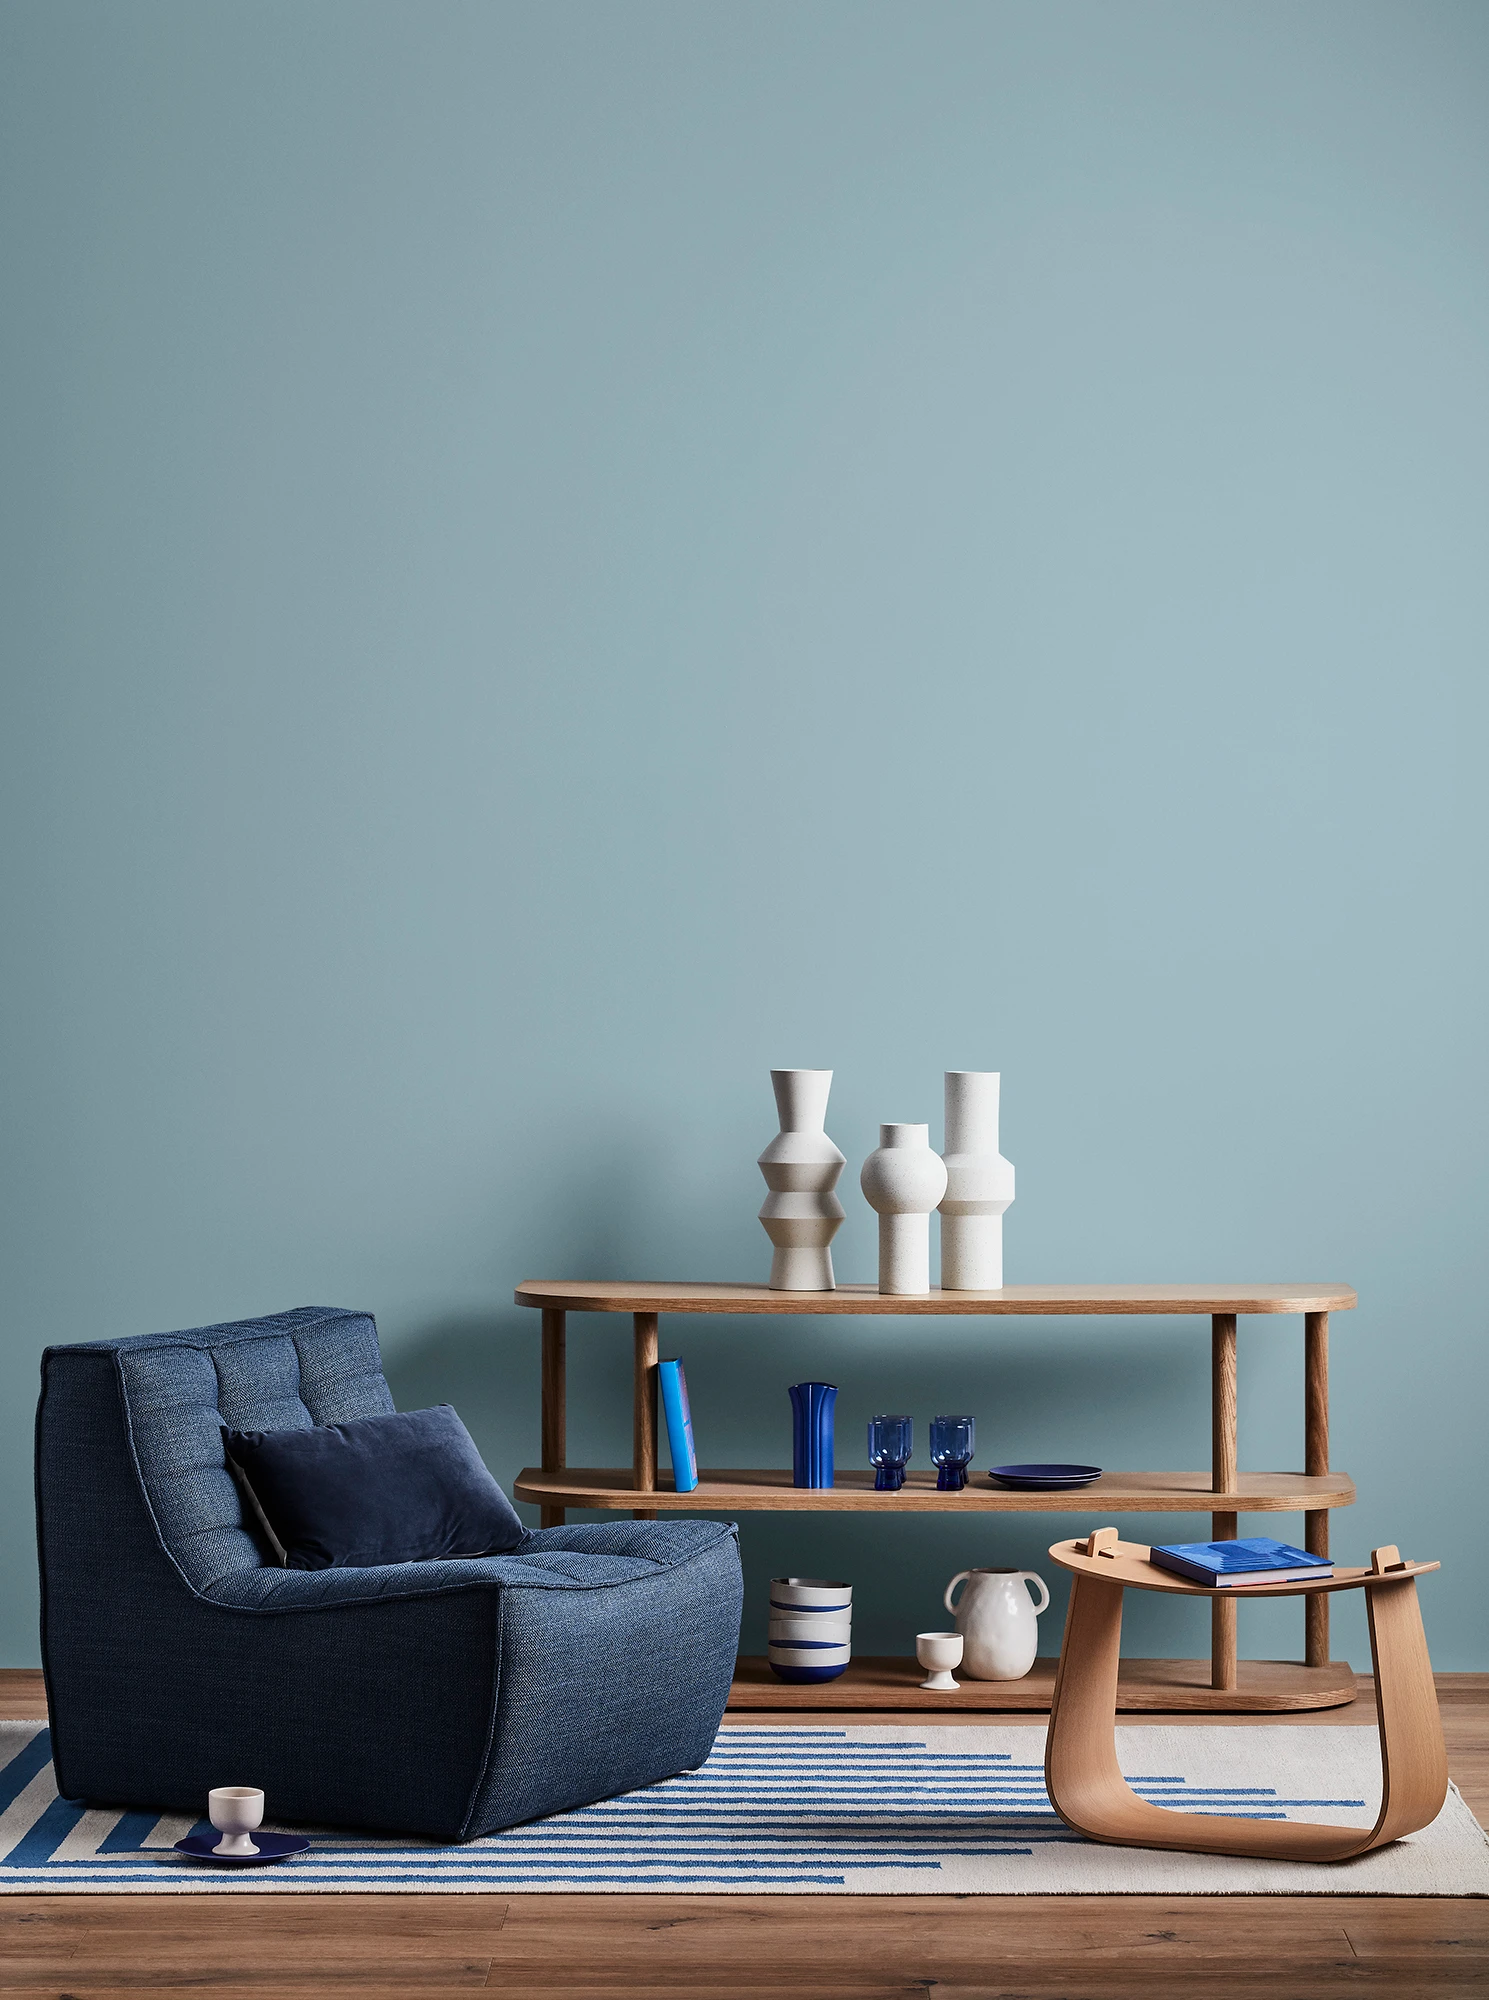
{"type": "Point", "coordinates": [1224, 1493]}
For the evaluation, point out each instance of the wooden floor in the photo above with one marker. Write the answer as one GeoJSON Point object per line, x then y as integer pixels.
{"type": "Point", "coordinates": [775, 1947]}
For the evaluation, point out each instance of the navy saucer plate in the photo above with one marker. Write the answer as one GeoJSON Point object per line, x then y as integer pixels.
{"type": "Point", "coordinates": [1043, 1478]}
{"type": "Point", "coordinates": [271, 1847]}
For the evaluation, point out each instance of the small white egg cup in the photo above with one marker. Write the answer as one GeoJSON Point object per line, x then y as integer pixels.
{"type": "Point", "coordinates": [236, 1811]}
{"type": "Point", "coordinates": [939, 1652]}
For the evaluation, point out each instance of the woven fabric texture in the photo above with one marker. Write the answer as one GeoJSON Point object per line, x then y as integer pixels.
{"type": "Point", "coordinates": [445, 1698]}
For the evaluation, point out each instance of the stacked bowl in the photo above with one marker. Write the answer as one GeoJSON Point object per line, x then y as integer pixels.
{"type": "Point", "coordinates": [811, 1627]}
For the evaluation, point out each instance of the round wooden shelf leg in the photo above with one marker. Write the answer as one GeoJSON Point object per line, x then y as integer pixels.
{"type": "Point", "coordinates": [1316, 1460]}
{"type": "Point", "coordinates": [555, 1407]}
{"type": "Point", "coordinates": [644, 1413]}
{"type": "Point", "coordinates": [1223, 1475]}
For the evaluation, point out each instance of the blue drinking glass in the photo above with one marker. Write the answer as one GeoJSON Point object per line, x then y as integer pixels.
{"type": "Point", "coordinates": [953, 1440]}
{"type": "Point", "coordinates": [890, 1444]}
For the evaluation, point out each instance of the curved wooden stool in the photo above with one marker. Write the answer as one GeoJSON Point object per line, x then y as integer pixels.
{"type": "Point", "coordinates": [1086, 1786]}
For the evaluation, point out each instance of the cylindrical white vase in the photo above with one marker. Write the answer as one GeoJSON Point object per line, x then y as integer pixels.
{"type": "Point", "coordinates": [979, 1185]}
{"type": "Point", "coordinates": [902, 1182]}
{"type": "Point", "coordinates": [801, 1214]}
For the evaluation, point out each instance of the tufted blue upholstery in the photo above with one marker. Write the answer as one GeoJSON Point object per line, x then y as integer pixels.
{"type": "Point", "coordinates": [447, 1698]}
{"type": "Point", "coordinates": [298, 1369]}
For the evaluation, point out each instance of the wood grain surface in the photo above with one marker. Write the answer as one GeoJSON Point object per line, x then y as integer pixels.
{"type": "Point", "coordinates": [774, 1947]}
{"type": "Point", "coordinates": [554, 1404]}
{"type": "Point", "coordinates": [1128, 1563]}
{"type": "Point", "coordinates": [1261, 1687]}
{"type": "Point", "coordinates": [659, 1296]}
{"type": "Point", "coordinates": [1316, 1460]}
{"type": "Point", "coordinates": [644, 1410]}
{"type": "Point", "coordinates": [769, 1489]}
{"type": "Point", "coordinates": [1083, 1774]}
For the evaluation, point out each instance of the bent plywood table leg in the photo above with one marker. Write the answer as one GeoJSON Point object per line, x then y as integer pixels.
{"type": "Point", "coordinates": [1085, 1781]}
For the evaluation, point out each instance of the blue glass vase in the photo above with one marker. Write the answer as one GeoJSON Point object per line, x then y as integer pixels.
{"type": "Point", "coordinates": [811, 1433]}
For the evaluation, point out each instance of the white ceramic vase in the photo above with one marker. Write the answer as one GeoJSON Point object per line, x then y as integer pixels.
{"type": "Point", "coordinates": [801, 1214]}
{"type": "Point", "coordinates": [902, 1182]}
{"type": "Point", "coordinates": [998, 1624]}
{"type": "Point", "coordinates": [979, 1185]}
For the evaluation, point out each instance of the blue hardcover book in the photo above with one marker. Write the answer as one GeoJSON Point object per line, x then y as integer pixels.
{"type": "Point", "coordinates": [1224, 1564]}
{"type": "Point", "coordinates": [674, 1385]}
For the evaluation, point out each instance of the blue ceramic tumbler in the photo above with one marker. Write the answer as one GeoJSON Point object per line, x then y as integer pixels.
{"type": "Point", "coordinates": [890, 1445]}
{"type": "Point", "coordinates": [811, 1433]}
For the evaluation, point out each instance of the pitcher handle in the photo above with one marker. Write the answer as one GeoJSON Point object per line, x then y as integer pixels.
{"type": "Point", "coordinates": [1028, 1576]}
{"type": "Point", "coordinates": [961, 1576]}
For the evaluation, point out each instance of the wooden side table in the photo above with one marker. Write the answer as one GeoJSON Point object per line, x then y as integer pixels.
{"type": "Point", "coordinates": [1223, 1491]}
{"type": "Point", "coordinates": [1085, 1782]}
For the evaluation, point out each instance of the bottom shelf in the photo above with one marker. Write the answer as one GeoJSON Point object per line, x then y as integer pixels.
{"type": "Point", "coordinates": [1164, 1685]}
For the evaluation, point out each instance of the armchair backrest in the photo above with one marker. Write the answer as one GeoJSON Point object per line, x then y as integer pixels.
{"type": "Point", "coordinates": [172, 1394]}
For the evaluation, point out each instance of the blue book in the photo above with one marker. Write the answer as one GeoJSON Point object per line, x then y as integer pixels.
{"type": "Point", "coordinates": [1226, 1564]}
{"type": "Point", "coordinates": [674, 1386]}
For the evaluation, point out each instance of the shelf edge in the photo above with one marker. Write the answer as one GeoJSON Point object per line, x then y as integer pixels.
{"type": "Point", "coordinates": [553, 1489]}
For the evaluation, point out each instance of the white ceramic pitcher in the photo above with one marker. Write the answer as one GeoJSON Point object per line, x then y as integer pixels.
{"type": "Point", "coordinates": [997, 1621]}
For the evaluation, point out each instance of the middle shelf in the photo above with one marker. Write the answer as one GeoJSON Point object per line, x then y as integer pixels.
{"type": "Point", "coordinates": [770, 1489]}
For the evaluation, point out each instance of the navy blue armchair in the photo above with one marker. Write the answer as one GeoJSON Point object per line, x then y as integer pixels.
{"type": "Point", "coordinates": [445, 1698]}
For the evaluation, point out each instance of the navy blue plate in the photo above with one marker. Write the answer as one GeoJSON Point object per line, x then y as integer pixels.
{"type": "Point", "coordinates": [1043, 1478]}
{"type": "Point", "coordinates": [271, 1846]}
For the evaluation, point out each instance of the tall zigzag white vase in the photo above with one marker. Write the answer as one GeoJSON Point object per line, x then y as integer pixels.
{"type": "Point", "coordinates": [801, 1214]}
{"type": "Point", "coordinates": [979, 1184]}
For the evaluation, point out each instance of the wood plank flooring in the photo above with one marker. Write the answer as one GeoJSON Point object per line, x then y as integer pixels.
{"type": "Point", "coordinates": [773, 1947]}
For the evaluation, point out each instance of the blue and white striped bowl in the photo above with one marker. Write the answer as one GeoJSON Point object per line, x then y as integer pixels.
{"type": "Point", "coordinates": [811, 1628]}
{"type": "Point", "coordinates": [808, 1663]}
{"type": "Point", "coordinates": [831, 1630]}
{"type": "Point", "coordinates": [810, 1656]}
{"type": "Point", "coordinates": [809, 1593]}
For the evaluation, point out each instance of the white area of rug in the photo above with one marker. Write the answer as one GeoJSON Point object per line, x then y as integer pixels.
{"type": "Point", "coordinates": [871, 1811]}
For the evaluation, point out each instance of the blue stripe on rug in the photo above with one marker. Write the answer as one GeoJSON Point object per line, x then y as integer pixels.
{"type": "Point", "coordinates": [23, 1767]}
{"type": "Point", "coordinates": [774, 1808]}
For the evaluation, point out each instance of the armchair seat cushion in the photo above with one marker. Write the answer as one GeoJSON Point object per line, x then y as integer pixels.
{"type": "Point", "coordinates": [592, 1557]}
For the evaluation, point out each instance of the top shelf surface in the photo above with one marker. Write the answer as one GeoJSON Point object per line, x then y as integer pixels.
{"type": "Point", "coordinates": [602, 1295]}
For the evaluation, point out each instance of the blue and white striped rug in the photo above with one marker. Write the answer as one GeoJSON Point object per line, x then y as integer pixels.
{"type": "Point", "coordinates": [944, 1809]}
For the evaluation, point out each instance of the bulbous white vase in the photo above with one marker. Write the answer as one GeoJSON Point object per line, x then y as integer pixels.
{"type": "Point", "coordinates": [801, 1214]}
{"type": "Point", "coordinates": [903, 1181]}
{"type": "Point", "coordinates": [979, 1185]}
{"type": "Point", "coordinates": [1000, 1637]}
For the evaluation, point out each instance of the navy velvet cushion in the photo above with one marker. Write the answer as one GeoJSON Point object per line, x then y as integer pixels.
{"type": "Point", "coordinates": [410, 1487]}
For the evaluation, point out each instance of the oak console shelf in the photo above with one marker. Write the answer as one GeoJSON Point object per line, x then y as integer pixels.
{"type": "Point", "coordinates": [1164, 1687]}
{"type": "Point", "coordinates": [771, 1490]}
{"type": "Point", "coordinates": [1224, 1493]}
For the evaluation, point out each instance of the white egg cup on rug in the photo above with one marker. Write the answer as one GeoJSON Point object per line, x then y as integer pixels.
{"type": "Point", "coordinates": [902, 1182]}
{"type": "Point", "coordinates": [236, 1811]}
{"type": "Point", "coordinates": [801, 1214]}
{"type": "Point", "coordinates": [979, 1185]}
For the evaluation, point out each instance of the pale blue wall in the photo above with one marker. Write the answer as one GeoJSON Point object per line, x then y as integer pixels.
{"type": "Point", "coordinates": [561, 555]}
